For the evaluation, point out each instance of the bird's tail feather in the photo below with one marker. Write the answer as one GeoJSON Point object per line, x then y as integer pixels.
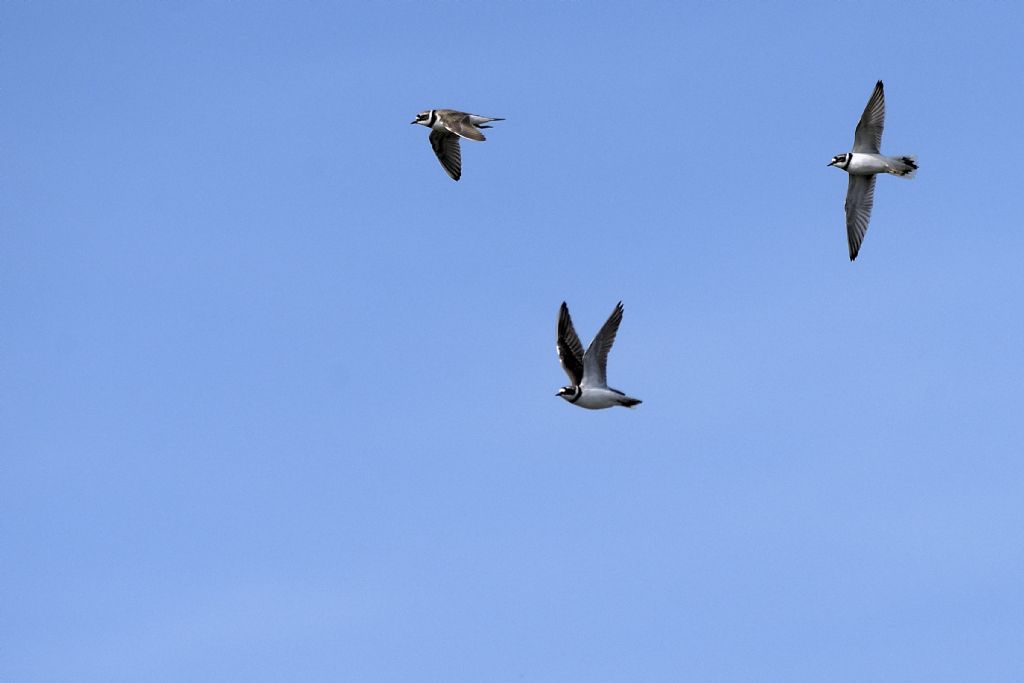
{"type": "Point", "coordinates": [905, 166]}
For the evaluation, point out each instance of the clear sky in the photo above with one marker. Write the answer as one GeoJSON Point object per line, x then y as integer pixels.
{"type": "Point", "coordinates": [277, 396]}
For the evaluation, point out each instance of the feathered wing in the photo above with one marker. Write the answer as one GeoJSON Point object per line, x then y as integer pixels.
{"type": "Point", "coordinates": [868, 136]}
{"type": "Point", "coordinates": [449, 153]}
{"type": "Point", "coordinates": [860, 197]}
{"type": "Point", "coordinates": [595, 360]}
{"type": "Point", "coordinates": [459, 123]}
{"type": "Point", "coordinates": [570, 350]}
{"type": "Point", "coordinates": [479, 121]}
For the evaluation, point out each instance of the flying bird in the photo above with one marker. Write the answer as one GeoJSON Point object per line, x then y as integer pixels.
{"type": "Point", "coordinates": [589, 386]}
{"type": "Point", "coordinates": [863, 164]}
{"type": "Point", "coordinates": [446, 127]}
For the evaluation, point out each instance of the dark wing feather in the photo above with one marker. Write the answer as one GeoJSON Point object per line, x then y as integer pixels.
{"type": "Point", "coordinates": [595, 360]}
{"type": "Point", "coordinates": [570, 350]}
{"type": "Point", "coordinates": [868, 137]}
{"type": "Point", "coordinates": [860, 197]}
{"type": "Point", "coordinates": [446, 147]}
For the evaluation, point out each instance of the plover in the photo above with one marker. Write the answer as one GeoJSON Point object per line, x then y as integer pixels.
{"type": "Point", "coordinates": [586, 371]}
{"type": "Point", "coordinates": [446, 127]}
{"type": "Point", "coordinates": [863, 164]}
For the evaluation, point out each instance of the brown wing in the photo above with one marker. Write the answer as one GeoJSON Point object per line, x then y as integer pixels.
{"type": "Point", "coordinates": [458, 122]}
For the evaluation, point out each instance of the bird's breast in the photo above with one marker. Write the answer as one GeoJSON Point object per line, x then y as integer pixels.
{"type": "Point", "coordinates": [595, 398]}
{"type": "Point", "coordinates": [866, 164]}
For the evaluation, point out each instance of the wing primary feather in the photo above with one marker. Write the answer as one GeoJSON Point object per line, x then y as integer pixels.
{"type": "Point", "coordinates": [860, 198]}
{"type": "Point", "coordinates": [595, 360]}
{"type": "Point", "coordinates": [570, 350]}
{"type": "Point", "coordinates": [449, 153]}
{"type": "Point", "coordinates": [868, 136]}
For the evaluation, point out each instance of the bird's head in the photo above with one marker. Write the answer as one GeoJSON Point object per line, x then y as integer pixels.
{"type": "Point", "coordinates": [423, 118]}
{"type": "Point", "coordinates": [839, 160]}
{"type": "Point", "coordinates": [570, 393]}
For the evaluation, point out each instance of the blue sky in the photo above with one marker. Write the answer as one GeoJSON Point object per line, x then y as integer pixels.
{"type": "Point", "coordinates": [278, 395]}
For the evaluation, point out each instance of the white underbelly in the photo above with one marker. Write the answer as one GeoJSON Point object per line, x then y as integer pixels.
{"type": "Point", "coordinates": [596, 399]}
{"type": "Point", "coordinates": [867, 164]}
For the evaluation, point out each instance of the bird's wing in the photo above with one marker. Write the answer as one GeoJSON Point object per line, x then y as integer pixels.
{"type": "Point", "coordinates": [479, 121]}
{"type": "Point", "coordinates": [868, 137]}
{"type": "Point", "coordinates": [860, 197]}
{"type": "Point", "coordinates": [595, 360]}
{"type": "Point", "coordinates": [570, 350]}
{"type": "Point", "coordinates": [459, 123]}
{"type": "Point", "coordinates": [446, 147]}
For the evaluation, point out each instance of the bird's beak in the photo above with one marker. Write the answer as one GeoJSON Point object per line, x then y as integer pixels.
{"type": "Point", "coordinates": [831, 163]}
{"type": "Point", "coordinates": [411, 122]}
{"type": "Point", "coordinates": [558, 393]}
